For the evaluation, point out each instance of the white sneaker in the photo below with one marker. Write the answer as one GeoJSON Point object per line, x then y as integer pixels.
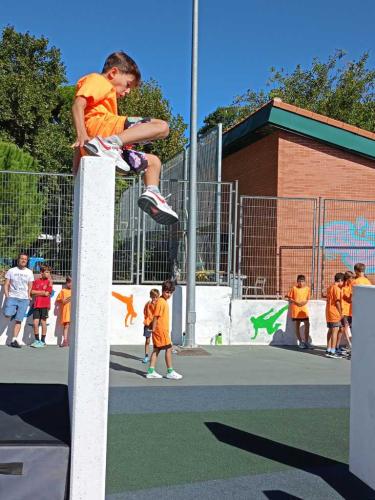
{"type": "Point", "coordinates": [106, 149]}
{"type": "Point", "coordinates": [156, 206]}
{"type": "Point", "coordinates": [174, 375]}
{"type": "Point", "coordinates": [154, 374]}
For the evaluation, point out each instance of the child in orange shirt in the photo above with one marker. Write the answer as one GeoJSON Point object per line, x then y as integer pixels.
{"type": "Point", "coordinates": [360, 277]}
{"type": "Point", "coordinates": [347, 292]}
{"type": "Point", "coordinates": [64, 298]}
{"type": "Point", "coordinates": [148, 313]}
{"type": "Point", "coordinates": [161, 334]}
{"type": "Point", "coordinates": [334, 314]}
{"type": "Point", "coordinates": [298, 298]}
{"type": "Point", "coordinates": [102, 132]}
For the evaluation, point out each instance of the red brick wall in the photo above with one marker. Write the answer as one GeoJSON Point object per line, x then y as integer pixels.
{"type": "Point", "coordinates": [255, 167]}
{"type": "Point", "coordinates": [312, 169]}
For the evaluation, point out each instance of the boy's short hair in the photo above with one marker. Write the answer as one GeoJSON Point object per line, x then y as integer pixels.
{"type": "Point", "coordinates": [154, 293]}
{"type": "Point", "coordinates": [124, 63]}
{"type": "Point", "coordinates": [339, 277]}
{"type": "Point", "coordinates": [45, 267]}
{"type": "Point", "coordinates": [68, 279]}
{"type": "Point", "coordinates": [361, 268]}
{"type": "Point", "coordinates": [168, 286]}
{"type": "Point", "coordinates": [348, 275]}
{"type": "Point", "coordinates": [301, 277]}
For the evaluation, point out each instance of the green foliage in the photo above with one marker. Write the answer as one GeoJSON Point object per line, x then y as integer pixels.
{"type": "Point", "coordinates": [21, 204]}
{"type": "Point", "coordinates": [344, 91]}
{"type": "Point", "coordinates": [148, 101]}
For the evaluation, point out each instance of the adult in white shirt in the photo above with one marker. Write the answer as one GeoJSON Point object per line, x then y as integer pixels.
{"type": "Point", "coordinates": [17, 289]}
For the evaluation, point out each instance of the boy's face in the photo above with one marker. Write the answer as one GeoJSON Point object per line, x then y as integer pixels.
{"type": "Point", "coordinates": [301, 283]}
{"type": "Point", "coordinates": [154, 299]}
{"type": "Point", "coordinates": [45, 274]}
{"type": "Point", "coordinates": [68, 284]}
{"type": "Point", "coordinates": [122, 82]}
{"type": "Point", "coordinates": [167, 294]}
{"type": "Point", "coordinates": [340, 283]}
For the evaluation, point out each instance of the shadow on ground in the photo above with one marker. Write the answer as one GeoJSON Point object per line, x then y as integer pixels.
{"type": "Point", "coordinates": [334, 473]}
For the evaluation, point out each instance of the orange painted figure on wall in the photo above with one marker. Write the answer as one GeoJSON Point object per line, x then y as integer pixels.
{"type": "Point", "coordinates": [130, 311]}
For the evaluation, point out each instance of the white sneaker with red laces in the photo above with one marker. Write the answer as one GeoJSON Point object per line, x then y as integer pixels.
{"type": "Point", "coordinates": [106, 149]}
{"type": "Point", "coordinates": [156, 206]}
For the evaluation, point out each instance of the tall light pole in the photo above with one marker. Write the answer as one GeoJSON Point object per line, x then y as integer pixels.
{"type": "Point", "coordinates": [192, 219]}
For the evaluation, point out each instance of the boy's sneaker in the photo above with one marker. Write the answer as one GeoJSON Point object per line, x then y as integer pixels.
{"type": "Point", "coordinates": [154, 374]}
{"type": "Point", "coordinates": [333, 355]}
{"type": "Point", "coordinates": [64, 343]}
{"type": "Point", "coordinates": [174, 375]}
{"type": "Point", "coordinates": [15, 344]}
{"type": "Point", "coordinates": [105, 149]}
{"type": "Point", "coordinates": [35, 343]}
{"type": "Point", "coordinates": [309, 346]}
{"type": "Point", "coordinates": [302, 345]}
{"type": "Point", "coordinates": [155, 205]}
{"type": "Point", "coordinates": [145, 360]}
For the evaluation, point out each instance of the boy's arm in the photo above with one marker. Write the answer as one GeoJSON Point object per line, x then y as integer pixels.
{"type": "Point", "coordinates": [6, 288]}
{"type": "Point", "coordinates": [154, 323]}
{"type": "Point", "coordinates": [30, 287]}
{"type": "Point", "coordinates": [78, 112]}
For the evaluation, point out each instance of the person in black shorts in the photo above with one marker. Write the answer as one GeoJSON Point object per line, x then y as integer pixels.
{"type": "Point", "coordinates": [41, 292]}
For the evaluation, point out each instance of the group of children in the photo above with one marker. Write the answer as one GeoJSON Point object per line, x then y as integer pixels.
{"type": "Point", "coordinates": [338, 310]}
{"type": "Point", "coordinates": [156, 326]}
{"type": "Point", "coordinates": [41, 292]}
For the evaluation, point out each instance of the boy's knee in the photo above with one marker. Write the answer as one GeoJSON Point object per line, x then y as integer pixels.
{"type": "Point", "coordinates": [153, 161]}
{"type": "Point", "coordinates": [163, 129]}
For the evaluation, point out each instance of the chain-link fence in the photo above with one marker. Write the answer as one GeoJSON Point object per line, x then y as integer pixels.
{"type": "Point", "coordinates": [276, 242]}
{"type": "Point", "coordinates": [36, 213]}
{"type": "Point", "coordinates": [280, 238]}
{"type": "Point", "coordinates": [346, 236]}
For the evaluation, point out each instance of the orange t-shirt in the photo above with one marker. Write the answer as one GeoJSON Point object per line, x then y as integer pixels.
{"type": "Point", "coordinates": [64, 294]}
{"type": "Point", "coordinates": [299, 295]}
{"type": "Point", "coordinates": [361, 280]}
{"type": "Point", "coordinates": [334, 294]}
{"type": "Point", "coordinates": [160, 335]}
{"type": "Point", "coordinates": [148, 313]}
{"type": "Point", "coordinates": [346, 302]}
{"type": "Point", "coordinates": [101, 116]}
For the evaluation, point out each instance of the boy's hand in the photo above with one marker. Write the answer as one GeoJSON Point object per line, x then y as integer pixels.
{"type": "Point", "coordinates": [80, 141]}
{"type": "Point", "coordinates": [46, 294]}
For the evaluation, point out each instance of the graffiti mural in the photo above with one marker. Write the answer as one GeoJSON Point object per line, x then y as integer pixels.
{"type": "Point", "coordinates": [130, 311]}
{"type": "Point", "coordinates": [267, 321]}
{"type": "Point", "coordinates": [352, 242]}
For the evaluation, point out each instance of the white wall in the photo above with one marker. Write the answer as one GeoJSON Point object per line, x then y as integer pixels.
{"type": "Point", "coordinates": [215, 313]}
{"type": "Point", "coordinates": [362, 399]}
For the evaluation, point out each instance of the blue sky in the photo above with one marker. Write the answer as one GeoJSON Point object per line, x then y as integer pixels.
{"type": "Point", "coordinates": [239, 39]}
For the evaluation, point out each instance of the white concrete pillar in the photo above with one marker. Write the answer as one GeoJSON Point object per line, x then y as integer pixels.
{"type": "Point", "coordinates": [362, 395]}
{"type": "Point", "coordinates": [89, 350]}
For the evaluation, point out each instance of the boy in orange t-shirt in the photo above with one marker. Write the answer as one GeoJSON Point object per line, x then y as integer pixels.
{"type": "Point", "coordinates": [360, 277]}
{"type": "Point", "coordinates": [148, 312]}
{"type": "Point", "coordinates": [161, 338]}
{"type": "Point", "coordinates": [64, 298]}
{"type": "Point", "coordinates": [347, 293]}
{"type": "Point", "coordinates": [102, 132]}
{"type": "Point", "coordinates": [298, 297]}
{"type": "Point", "coordinates": [334, 314]}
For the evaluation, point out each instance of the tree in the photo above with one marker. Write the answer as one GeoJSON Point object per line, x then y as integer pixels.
{"type": "Point", "coordinates": [21, 204]}
{"type": "Point", "coordinates": [148, 101]}
{"type": "Point", "coordinates": [344, 91]}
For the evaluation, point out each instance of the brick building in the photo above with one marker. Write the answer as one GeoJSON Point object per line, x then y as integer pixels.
{"type": "Point", "coordinates": [307, 187]}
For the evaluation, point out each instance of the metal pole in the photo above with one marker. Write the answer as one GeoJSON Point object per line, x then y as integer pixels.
{"type": "Point", "coordinates": [218, 204]}
{"type": "Point", "coordinates": [192, 221]}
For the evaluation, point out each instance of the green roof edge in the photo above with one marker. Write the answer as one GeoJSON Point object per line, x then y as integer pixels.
{"type": "Point", "coordinates": [241, 135]}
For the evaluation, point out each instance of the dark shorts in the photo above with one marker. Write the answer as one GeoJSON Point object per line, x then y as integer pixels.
{"type": "Point", "coordinates": [301, 319]}
{"type": "Point", "coordinates": [137, 160]}
{"type": "Point", "coordinates": [346, 321]}
{"type": "Point", "coordinates": [40, 313]}
{"type": "Point", "coordinates": [163, 347]}
{"type": "Point", "coordinates": [336, 324]}
{"type": "Point", "coordinates": [146, 331]}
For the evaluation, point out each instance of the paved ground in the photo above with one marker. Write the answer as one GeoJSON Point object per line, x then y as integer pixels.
{"type": "Point", "coordinates": [244, 423]}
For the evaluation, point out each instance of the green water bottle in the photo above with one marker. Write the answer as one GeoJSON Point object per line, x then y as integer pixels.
{"type": "Point", "coordinates": [219, 339]}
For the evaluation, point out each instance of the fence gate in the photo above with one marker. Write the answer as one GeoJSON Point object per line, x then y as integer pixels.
{"type": "Point", "coordinates": [277, 241]}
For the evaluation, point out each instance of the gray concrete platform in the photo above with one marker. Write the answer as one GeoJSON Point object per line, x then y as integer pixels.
{"type": "Point", "coordinates": [234, 365]}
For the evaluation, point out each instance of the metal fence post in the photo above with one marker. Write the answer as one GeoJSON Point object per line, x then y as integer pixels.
{"type": "Point", "coordinates": [218, 204]}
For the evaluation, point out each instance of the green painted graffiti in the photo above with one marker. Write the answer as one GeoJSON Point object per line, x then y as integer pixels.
{"type": "Point", "coordinates": [268, 323]}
